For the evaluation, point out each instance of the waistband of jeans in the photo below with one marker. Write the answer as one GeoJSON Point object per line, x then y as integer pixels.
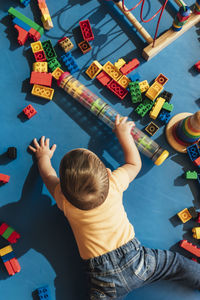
{"type": "Point", "coordinates": [133, 244]}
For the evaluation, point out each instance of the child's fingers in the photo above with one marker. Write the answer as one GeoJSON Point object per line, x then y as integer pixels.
{"type": "Point", "coordinates": [131, 123]}
{"type": "Point", "coordinates": [32, 149]}
{"type": "Point", "coordinates": [117, 119]}
{"type": "Point", "coordinates": [123, 120]}
{"type": "Point", "coordinates": [53, 148]}
{"type": "Point", "coordinates": [35, 142]}
{"type": "Point", "coordinates": [42, 141]}
{"type": "Point", "coordinates": [47, 142]}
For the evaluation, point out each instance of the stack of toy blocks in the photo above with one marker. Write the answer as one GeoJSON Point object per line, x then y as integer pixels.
{"type": "Point", "coordinates": [46, 18]}
{"type": "Point", "coordinates": [8, 236]}
{"type": "Point", "coordinates": [87, 34]}
{"type": "Point", "coordinates": [194, 154]}
{"type": "Point", "coordinates": [25, 27]}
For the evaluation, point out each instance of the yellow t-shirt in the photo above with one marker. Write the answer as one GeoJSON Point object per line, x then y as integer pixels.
{"type": "Point", "coordinates": [104, 228]}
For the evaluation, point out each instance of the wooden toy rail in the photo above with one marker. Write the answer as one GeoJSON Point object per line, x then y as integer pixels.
{"type": "Point", "coordinates": [164, 39]}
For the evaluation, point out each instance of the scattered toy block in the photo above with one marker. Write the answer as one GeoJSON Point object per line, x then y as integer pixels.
{"type": "Point", "coordinates": [112, 71]}
{"type": "Point", "coordinates": [57, 73]}
{"type": "Point", "coordinates": [22, 35]}
{"type": "Point", "coordinates": [86, 30]}
{"type": "Point", "coordinates": [12, 266]}
{"type": "Point", "coordinates": [120, 63]}
{"type": "Point", "coordinates": [144, 107]}
{"type": "Point", "coordinates": [135, 77]}
{"type": "Point", "coordinates": [29, 111]}
{"type": "Point", "coordinates": [151, 128]}
{"type": "Point", "coordinates": [6, 250]}
{"type": "Point", "coordinates": [36, 46]}
{"type": "Point", "coordinates": [25, 2]}
{"type": "Point", "coordinates": [184, 215]}
{"type": "Point", "coordinates": [103, 78]}
{"type": "Point", "coordinates": [154, 90]}
{"type": "Point", "coordinates": [164, 116]}
{"type": "Point", "coordinates": [12, 153]}
{"type": "Point", "coordinates": [193, 152]}
{"type": "Point", "coordinates": [135, 92]}
{"type": "Point", "coordinates": [49, 50]}
{"type": "Point", "coordinates": [70, 62]}
{"type": "Point", "coordinates": [156, 108]}
{"type": "Point", "coordinates": [3, 228]}
{"type": "Point", "coordinates": [117, 89]}
{"type": "Point", "coordinates": [197, 66]}
{"type": "Point", "coordinates": [21, 24]}
{"type": "Point", "coordinates": [94, 69]}
{"type": "Point", "coordinates": [53, 64]}
{"type": "Point", "coordinates": [40, 56]}
{"type": "Point", "coordinates": [166, 95]}
{"type": "Point", "coordinates": [167, 106]}
{"type": "Point", "coordinates": [8, 256]}
{"type": "Point", "coordinates": [124, 81]}
{"type": "Point", "coordinates": [40, 67]}
{"type": "Point", "coordinates": [130, 66]}
{"type": "Point", "coordinates": [190, 247]}
{"type": "Point", "coordinates": [191, 175]}
{"type": "Point", "coordinates": [41, 78]}
{"type": "Point", "coordinates": [34, 34]}
{"type": "Point", "coordinates": [13, 237]}
{"type": "Point", "coordinates": [42, 91]}
{"type": "Point", "coordinates": [84, 47]}
{"type": "Point", "coordinates": [196, 162]}
{"type": "Point", "coordinates": [4, 178]}
{"type": "Point", "coordinates": [162, 79]}
{"type": "Point", "coordinates": [66, 44]}
{"type": "Point", "coordinates": [7, 232]}
{"type": "Point", "coordinates": [46, 18]}
{"type": "Point", "coordinates": [144, 86]}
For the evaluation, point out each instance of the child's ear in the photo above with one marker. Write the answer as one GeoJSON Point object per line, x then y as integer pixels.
{"type": "Point", "coordinates": [109, 172]}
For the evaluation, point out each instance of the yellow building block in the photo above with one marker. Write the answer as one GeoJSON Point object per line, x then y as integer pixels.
{"type": "Point", "coordinates": [196, 232]}
{"type": "Point", "coordinates": [112, 71]}
{"type": "Point", "coordinates": [42, 91]}
{"type": "Point", "coordinates": [94, 69]}
{"type": "Point", "coordinates": [184, 215]}
{"type": "Point", "coordinates": [36, 46]}
{"type": "Point", "coordinates": [40, 66]}
{"type": "Point", "coordinates": [66, 44]}
{"type": "Point", "coordinates": [120, 63]}
{"type": "Point", "coordinates": [154, 90]}
{"type": "Point", "coordinates": [124, 81]}
{"type": "Point", "coordinates": [57, 73]}
{"type": "Point", "coordinates": [144, 86]}
{"type": "Point", "coordinates": [157, 108]}
{"type": "Point", "coordinates": [6, 250]}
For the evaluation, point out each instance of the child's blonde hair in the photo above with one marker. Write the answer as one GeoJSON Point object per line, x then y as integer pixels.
{"type": "Point", "coordinates": [84, 179]}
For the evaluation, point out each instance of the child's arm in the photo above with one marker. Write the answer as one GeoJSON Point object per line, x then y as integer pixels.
{"type": "Point", "coordinates": [131, 153]}
{"type": "Point", "coordinates": [44, 154]}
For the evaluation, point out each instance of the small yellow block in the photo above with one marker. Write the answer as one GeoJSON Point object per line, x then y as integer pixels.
{"type": "Point", "coordinates": [66, 44]}
{"type": "Point", "coordinates": [36, 46]}
{"type": "Point", "coordinates": [112, 71]}
{"type": "Point", "coordinates": [42, 91]}
{"type": "Point", "coordinates": [184, 215]}
{"type": "Point", "coordinates": [94, 69]}
{"type": "Point", "coordinates": [40, 66]}
{"type": "Point", "coordinates": [144, 86]}
{"type": "Point", "coordinates": [57, 73]}
{"type": "Point", "coordinates": [154, 90]}
{"type": "Point", "coordinates": [157, 108]}
{"type": "Point", "coordinates": [196, 232]}
{"type": "Point", "coordinates": [124, 81]}
{"type": "Point", "coordinates": [6, 250]}
{"type": "Point", "coordinates": [120, 63]}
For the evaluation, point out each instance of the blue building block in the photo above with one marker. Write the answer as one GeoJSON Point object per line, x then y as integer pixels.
{"type": "Point", "coordinates": [164, 116]}
{"type": "Point", "coordinates": [193, 152]}
{"type": "Point", "coordinates": [8, 256]}
{"type": "Point", "coordinates": [25, 2]}
{"type": "Point", "coordinates": [44, 293]}
{"type": "Point", "coordinates": [135, 77]}
{"type": "Point", "coordinates": [70, 62]}
{"type": "Point", "coordinates": [21, 24]}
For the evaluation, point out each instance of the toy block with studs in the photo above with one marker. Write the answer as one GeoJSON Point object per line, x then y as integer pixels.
{"type": "Point", "coordinates": [161, 79]}
{"type": "Point", "coordinates": [53, 64]}
{"type": "Point", "coordinates": [41, 78]}
{"type": "Point", "coordinates": [40, 67]}
{"type": "Point", "coordinates": [135, 92]}
{"type": "Point", "coordinates": [135, 77]}
{"type": "Point", "coordinates": [154, 90]}
{"type": "Point", "coordinates": [191, 175]}
{"type": "Point", "coordinates": [5, 250]}
{"type": "Point", "coordinates": [120, 63]}
{"type": "Point", "coordinates": [25, 2]}
{"type": "Point", "coordinates": [166, 95]}
{"type": "Point", "coordinates": [21, 24]}
{"type": "Point", "coordinates": [193, 152]}
{"type": "Point", "coordinates": [103, 78]}
{"type": "Point", "coordinates": [86, 30]}
{"type": "Point", "coordinates": [4, 178]}
{"type": "Point", "coordinates": [144, 86]}
{"type": "Point", "coordinates": [190, 247]}
{"type": "Point", "coordinates": [57, 73]}
{"type": "Point", "coordinates": [12, 152]}
{"type": "Point", "coordinates": [196, 232]}
{"type": "Point", "coordinates": [164, 116]}
{"type": "Point", "coordinates": [40, 56]}
{"type": "Point", "coordinates": [45, 15]}
{"type": "Point", "coordinates": [167, 106]}
{"type": "Point", "coordinates": [70, 62]}
{"type": "Point", "coordinates": [196, 162]}
{"type": "Point", "coordinates": [151, 128]}
{"type": "Point", "coordinates": [36, 46]}
{"type": "Point", "coordinates": [66, 44]}
{"type": "Point", "coordinates": [144, 107]}
{"type": "Point", "coordinates": [197, 66]}
{"type": "Point", "coordinates": [94, 69]}
{"type": "Point", "coordinates": [29, 111]}
{"type": "Point", "coordinates": [124, 81]}
{"type": "Point", "coordinates": [84, 47]}
{"type": "Point", "coordinates": [157, 108]}
{"type": "Point", "coordinates": [42, 91]}
{"type": "Point", "coordinates": [184, 215]}
{"type": "Point", "coordinates": [49, 50]}
{"type": "Point", "coordinates": [117, 89]}
{"type": "Point", "coordinates": [43, 293]}
{"type": "Point", "coordinates": [34, 34]}
{"type": "Point", "coordinates": [112, 71]}
{"type": "Point", "coordinates": [130, 66]}
{"type": "Point", "coordinates": [22, 35]}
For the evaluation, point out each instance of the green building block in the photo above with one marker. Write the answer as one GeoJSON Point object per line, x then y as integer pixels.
{"type": "Point", "coordinates": [53, 64]}
{"type": "Point", "coordinates": [144, 107]}
{"type": "Point", "coordinates": [191, 175]}
{"type": "Point", "coordinates": [135, 92]}
{"type": "Point", "coordinates": [7, 232]}
{"type": "Point", "coordinates": [49, 50]}
{"type": "Point", "coordinates": [167, 106]}
{"type": "Point", "coordinates": [14, 13]}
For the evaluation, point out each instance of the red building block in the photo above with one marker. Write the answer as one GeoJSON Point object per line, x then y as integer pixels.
{"type": "Point", "coordinates": [12, 266]}
{"type": "Point", "coordinates": [129, 67]}
{"type": "Point", "coordinates": [34, 34]}
{"type": "Point", "coordinates": [41, 78]}
{"type": "Point", "coordinates": [3, 228]}
{"type": "Point", "coordinates": [117, 89]}
{"type": "Point", "coordinates": [103, 78]}
{"type": "Point", "coordinates": [197, 66]}
{"type": "Point", "coordinates": [29, 111]}
{"type": "Point", "coordinates": [13, 237]}
{"type": "Point", "coordinates": [22, 35]}
{"type": "Point", "coordinates": [190, 247]}
{"type": "Point", "coordinates": [4, 178]}
{"type": "Point", "coordinates": [197, 162]}
{"type": "Point", "coordinates": [40, 56]}
{"type": "Point", "coordinates": [86, 30]}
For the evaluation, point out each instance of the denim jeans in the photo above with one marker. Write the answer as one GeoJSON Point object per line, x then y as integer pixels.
{"type": "Point", "coordinates": [114, 274]}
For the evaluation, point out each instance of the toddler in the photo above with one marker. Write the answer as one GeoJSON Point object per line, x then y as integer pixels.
{"type": "Point", "coordinates": [90, 196]}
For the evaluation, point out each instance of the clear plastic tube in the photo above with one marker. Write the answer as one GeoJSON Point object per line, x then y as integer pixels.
{"type": "Point", "coordinates": [107, 114]}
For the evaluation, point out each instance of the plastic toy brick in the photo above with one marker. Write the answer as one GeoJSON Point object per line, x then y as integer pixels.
{"type": "Point", "coordinates": [53, 64]}
{"type": "Point", "coordinates": [154, 90]}
{"type": "Point", "coordinates": [196, 162]}
{"type": "Point", "coordinates": [135, 77]}
{"type": "Point", "coordinates": [130, 66]}
{"type": "Point", "coordinates": [29, 111]}
{"type": "Point", "coordinates": [12, 266]}
{"type": "Point", "coordinates": [94, 69]}
{"type": "Point", "coordinates": [46, 18]}
{"type": "Point", "coordinates": [36, 46]}
{"type": "Point", "coordinates": [196, 232]}
{"type": "Point", "coordinates": [34, 34]}
{"type": "Point", "coordinates": [197, 66]}
{"type": "Point", "coordinates": [14, 13]}
{"type": "Point", "coordinates": [40, 56]}
{"type": "Point", "coordinates": [44, 293]}
{"type": "Point", "coordinates": [70, 62]}
{"type": "Point", "coordinates": [8, 256]}
{"type": "Point", "coordinates": [190, 247]}
{"type": "Point", "coordinates": [12, 152]}
{"type": "Point", "coordinates": [13, 237]}
{"type": "Point", "coordinates": [57, 73]}
{"type": "Point", "coordinates": [135, 92]}
{"type": "Point", "coordinates": [49, 50]}
{"type": "Point", "coordinates": [167, 106]}
{"type": "Point", "coordinates": [21, 24]}
{"type": "Point", "coordinates": [40, 67]}
{"type": "Point", "coordinates": [103, 78]}
{"type": "Point", "coordinates": [7, 232]}
{"type": "Point", "coordinates": [117, 89]}
{"type": "Point", "coordinates": [144, 86]}
{"type": "Point", "coordinates": [25, 2]}
{"type": "Point", "coordinates": [6, 250]}
{"type": "Point", "coordinates": [144, 107]}
{"type": "Point", "coordinates": [4, 178]}
{"type": "Point", "coordinates": [41, 78]}
{"type": "Point", "coordinates": [66, 44]}
{"type": "Point", "coordinates": [193, 152]}
{"type": "Point", "coordinates": [124, 81]}
{"type": "Point", "coordinates": [86, 30]}
{"type": "Point", "coordinates": [166, 95]}
{"type": "Point", "coordinates": [120, 63]}
{"type": "Point", "coordinates": [191, 175]}
{"type": "Point", "coordinates": [22, 35]}
{"type": "Point", "coordinates": [152, 128]}
{"type": "Point", "coordinates": [164, 116]}
{"type": "Point", "coordinates": [184, 215]}
{"type": "Point", "coordinates": [42, 91]}
{"type": "Point", "coordinates": [161, 79]}
{"type": "Point", "coordinates": [84, 46]}
{"type": "Point", "coordinates": [3, 228]}
{"type": "Point", "coordinates": [112, 71]}
{"type": "Point", "coordinates": [156, 108]}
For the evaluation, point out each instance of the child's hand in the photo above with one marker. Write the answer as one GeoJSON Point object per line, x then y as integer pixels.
{"type": "Point", "coordinates": [122, 127]}
{"type": "Point", "coordinates": [42, 149]}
